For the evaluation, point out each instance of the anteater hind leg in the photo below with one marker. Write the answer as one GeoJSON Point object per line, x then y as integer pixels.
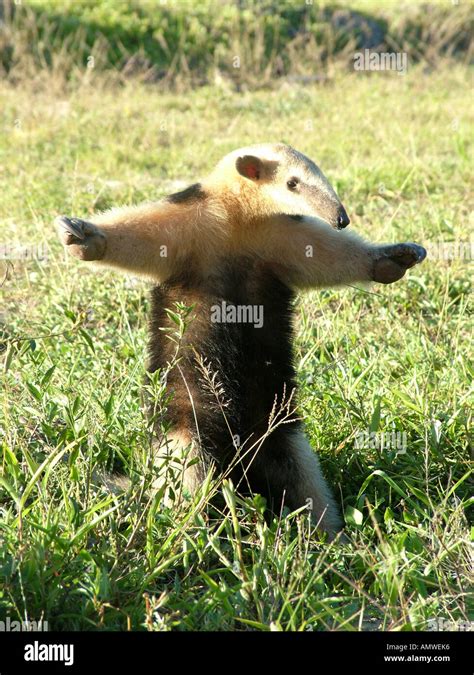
{"type": "Point", "coordinates": [179, 465]}
{"type": "Point", "coordinates": [295, 478]}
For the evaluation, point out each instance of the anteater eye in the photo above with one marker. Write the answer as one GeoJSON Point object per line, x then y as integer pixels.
{"type": "Point", "coordinates": [292, 183]}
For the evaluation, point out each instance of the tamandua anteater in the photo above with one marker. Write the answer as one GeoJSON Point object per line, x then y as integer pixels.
{"type": "Point", "coordinates": [264, 224]}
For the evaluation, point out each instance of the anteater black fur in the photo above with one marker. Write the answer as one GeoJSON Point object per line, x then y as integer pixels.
{"type": "Point", "coordinates": [191, 193]}
{"type": "Point", "coordinates": [254, 366]}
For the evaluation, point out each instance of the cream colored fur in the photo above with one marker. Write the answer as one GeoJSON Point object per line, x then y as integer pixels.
{"type": "Point", "coordinates": [239, 216]}
{"type": "Point", "coordinates": [174, 464]}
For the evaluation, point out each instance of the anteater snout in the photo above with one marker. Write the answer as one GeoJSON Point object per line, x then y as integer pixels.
{"type": "Point", "coordinates": [342, 218]}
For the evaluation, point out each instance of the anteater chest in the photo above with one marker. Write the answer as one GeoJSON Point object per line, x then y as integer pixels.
{"type": "Point", "coordinates": [238, 331]}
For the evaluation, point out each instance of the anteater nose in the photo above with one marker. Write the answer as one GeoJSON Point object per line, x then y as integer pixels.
{"type": "Point", "coordinates": [342, 220]}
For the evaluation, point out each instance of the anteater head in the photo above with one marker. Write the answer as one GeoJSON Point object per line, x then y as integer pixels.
{"type": "Point", "coordinates": [283, 180]}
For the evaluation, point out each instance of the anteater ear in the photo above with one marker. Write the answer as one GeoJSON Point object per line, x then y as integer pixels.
{"type": "Point", "coordinates": [249, 167]}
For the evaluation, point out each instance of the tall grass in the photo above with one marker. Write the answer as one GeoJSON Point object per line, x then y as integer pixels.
{"type": "Point", "coordinates": [245, 44]}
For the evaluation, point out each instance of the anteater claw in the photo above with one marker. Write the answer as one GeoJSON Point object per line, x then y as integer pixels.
{"type": "Point", "coordinates": [74, 226]}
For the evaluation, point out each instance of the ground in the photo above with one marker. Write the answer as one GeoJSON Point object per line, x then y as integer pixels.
{"type": "Point", "coordinates": [380, 359]}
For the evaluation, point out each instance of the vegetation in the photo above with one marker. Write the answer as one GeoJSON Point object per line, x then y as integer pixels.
{"type": "Point", "coordinates": [247, 43]}
{"type": "Point", "coordinates": [399, 151]}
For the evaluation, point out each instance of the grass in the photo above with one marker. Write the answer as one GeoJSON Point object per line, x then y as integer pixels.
{"type": "Point", "coordinates": [246, 43]}
{"type": "Point", "coordinates": [398, 149]}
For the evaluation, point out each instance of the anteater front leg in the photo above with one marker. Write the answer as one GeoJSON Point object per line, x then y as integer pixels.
{"type": "Point", "coordinates": [306, 253]}
{"type": "Point", "coordinates": [151, 240]}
